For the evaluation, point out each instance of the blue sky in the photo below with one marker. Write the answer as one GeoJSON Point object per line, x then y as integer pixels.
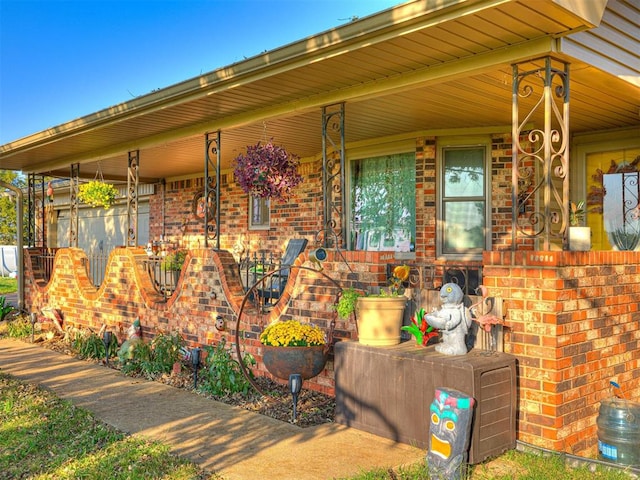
{"type": "Point", "coordinates": [63, 59]}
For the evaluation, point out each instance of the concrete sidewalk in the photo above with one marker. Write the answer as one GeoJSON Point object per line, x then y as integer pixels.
{"type": "Point", "coordinates": [235, 443]}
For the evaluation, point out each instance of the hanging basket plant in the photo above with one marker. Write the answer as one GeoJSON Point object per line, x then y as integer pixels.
{"type": "Point", "coordinates": [97, 194]}
{"type": "Point", "coordinates": [268, 171]}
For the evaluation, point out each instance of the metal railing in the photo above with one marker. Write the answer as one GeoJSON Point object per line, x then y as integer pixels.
{"type": "Point", "coordinates": [163, 277]}
{"type": "Point", "coordinates": [431, 277]}
{"type": "Point", "coordinates": [255, 268]}
{"type": "Point", "coordinates": [95, 265]}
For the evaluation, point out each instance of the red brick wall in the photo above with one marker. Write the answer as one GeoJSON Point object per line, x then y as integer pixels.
{"type": "Point", "coordinates": [171, 211]}
{"type": "Point", "coordinates": [574, 324]}
{"type": "Point", "coordinates": [573, 317]}
{"type": "Point", "coordinates": [209, 287]}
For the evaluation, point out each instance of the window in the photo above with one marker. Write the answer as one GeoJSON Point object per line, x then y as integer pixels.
{"type": "Point", "coordinates": [259, 215]}
{"type": "Point", "coordinates": [383, 203]}
{"type": "Point", "coordinates": [463, 210]}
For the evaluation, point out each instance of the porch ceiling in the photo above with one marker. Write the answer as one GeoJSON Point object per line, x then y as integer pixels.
{"type": "Point", "coordinates": [413, 68]}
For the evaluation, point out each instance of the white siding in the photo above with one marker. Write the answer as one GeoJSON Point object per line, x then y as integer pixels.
{"type": "Point", "coordinates": [614, 46]}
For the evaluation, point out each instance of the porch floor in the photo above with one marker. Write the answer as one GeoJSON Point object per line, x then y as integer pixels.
{"type": "Point", "coordinates": [235, 443]}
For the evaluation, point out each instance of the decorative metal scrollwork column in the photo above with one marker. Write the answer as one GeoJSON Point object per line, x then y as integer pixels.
{"type": "Point", "coordinates": [132, 198]}
{"type": "Point", "coordinates": [540, 172]}
{"type": "Point", "coordinates": [212, 188]}
{"type": "Point", "coordinates": [74, 183]}
{"type": "Point", "coordinates": [31, 205]}
{"type": "Point", "coordinates": [333, 175]}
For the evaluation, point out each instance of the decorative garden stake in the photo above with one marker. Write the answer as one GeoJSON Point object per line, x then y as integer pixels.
{"type": "Point", "coordinates": [134, 336]}
{"type": "Point", "coordinates": [50, 192]}
{"type": "Point", "coordinates": [453, 320]}
{"type": "Point", "coordinates": [195, 361]}
{"type": "Point", "coordinates": [295, 385]}
{"type": "Point", "coordinates": [33, 318]}
{"type": "Point", "coordinates": [106, 339]}
{"type": "Point", "coordinates": [420, 329]}
{"type": "Point", "coordinates": [450, 428]}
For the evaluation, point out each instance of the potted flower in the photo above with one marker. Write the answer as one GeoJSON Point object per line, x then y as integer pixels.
{"type": "Point", "coordinates": [291, 347]}
{"type": "Point", "coordinates": [174, 261]}
{"type": "Point", "coordinates": [378, 317]}
{"type": "Point", "coordinates": [267, 171]}
{"type": "Point", "coordinates": [98, 194]}
{"type": "Point", "coordinates": [579, 235]}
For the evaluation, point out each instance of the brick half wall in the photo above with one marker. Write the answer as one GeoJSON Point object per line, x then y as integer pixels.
{"type": "Point", "coordinates": [574, 326]}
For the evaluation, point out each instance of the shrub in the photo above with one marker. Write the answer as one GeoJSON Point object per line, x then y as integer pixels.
{"type": "Point", "coordinates": [19, 328]}
{"type": "Point", "coordinates": [155, 358]}
{"type": "Point", "coordinates": [222, 373]}
{"type": "Point", "coordinates": [5, 308]}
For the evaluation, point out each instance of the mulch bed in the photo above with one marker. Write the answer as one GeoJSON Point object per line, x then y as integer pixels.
{"type": "Point", "coordinates": [313, 408]}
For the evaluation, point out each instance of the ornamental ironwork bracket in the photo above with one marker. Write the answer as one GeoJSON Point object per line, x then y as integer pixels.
{"type": "Point", "coordinates": [333, 175]}
{"type": "Point", "coordinates": [540, 171]}
{"type": "Point", "coordinates": [132, 198]}
{"type": "Point", "coordinates": [212, 188]}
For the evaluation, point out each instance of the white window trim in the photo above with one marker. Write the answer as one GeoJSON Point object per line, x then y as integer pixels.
{"type": "Point", "coordinates": [443, 143]}
{"type": "Point", "coordinates": [372, 151]}
{"type": "Point", "coordinates": [266, 225]}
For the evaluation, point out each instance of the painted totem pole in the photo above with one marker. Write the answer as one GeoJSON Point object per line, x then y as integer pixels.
{"type": "Point", "coordinates": [450, 431]}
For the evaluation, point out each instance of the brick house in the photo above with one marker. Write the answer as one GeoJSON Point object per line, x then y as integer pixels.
{"type": "Point", "coordinates": [451, 94]}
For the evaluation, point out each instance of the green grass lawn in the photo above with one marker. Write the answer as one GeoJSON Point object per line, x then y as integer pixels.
{"type": "Point", "coordinates": [8, 285]}
{"type": "Point", "coordinates": [44, 437]}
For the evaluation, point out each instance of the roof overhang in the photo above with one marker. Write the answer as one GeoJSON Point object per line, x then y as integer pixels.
{"type": "Point", "coordinates": [418, 67]}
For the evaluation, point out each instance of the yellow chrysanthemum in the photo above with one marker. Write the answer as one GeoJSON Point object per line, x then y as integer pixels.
{"type": "Point", "coordinates": [292, 333]}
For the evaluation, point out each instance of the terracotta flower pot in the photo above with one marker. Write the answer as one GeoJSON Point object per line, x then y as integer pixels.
{"type": "Point", "coordinates": [283, 361]}
{"type": "Point", "coordinates": [380, 320]}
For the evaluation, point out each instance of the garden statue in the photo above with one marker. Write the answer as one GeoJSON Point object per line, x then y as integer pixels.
{"type": "Point", "coordinates": [134, 336]}
{"type": "Point", "coordinates": [453, 320]}
{"type": "Point", "coordinates": [449, 434]}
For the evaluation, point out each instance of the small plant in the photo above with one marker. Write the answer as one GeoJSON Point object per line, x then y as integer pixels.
{"type": "Point", "coordinates": [292, 333]}
{"type": "Point", "coordinates": [90, 345]}
{"type": "Point", "coordinates": [349, 298]}
{"type": "Point", "coordinates": [346, 305]}
{"type": "Point", "coordinates": [174, 260]}
{"type": "Point", "coordinates": [98, 194]}
{"type": "Point", "coordinates": [577, 213]}
{"type": "Point", "coordinates": [5, 308]}
{"type": "Point", "coordinates": [155, 358]}
{"type": "Point", "coordinates": [140, 362]}
{"type": "Point", "coordinates": [222, 374]}
{"type": "Point", "coordinates": [165, 351]}
{"type": "Point", "coordinates": [19, 328]}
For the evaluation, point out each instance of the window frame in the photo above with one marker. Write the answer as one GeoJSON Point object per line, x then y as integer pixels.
{"type": "Point", "coordinates": [371, 152]}
{"type": "Point", "coordinates": [265, 207]}
{"type": "Point", "coordinates": [463, 143]}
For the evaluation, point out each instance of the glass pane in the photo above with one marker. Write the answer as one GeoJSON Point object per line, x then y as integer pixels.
{"type": "Point", "coordinates": [384, 203]}
{"type": "Point", "coordinates": [464, 172]}
{"type": "Point", "coordinates": [464, 226]}
{"type": "Point", "coordinates": [258, 213]}
{"type": "Point", "coordinates": [621, 209]}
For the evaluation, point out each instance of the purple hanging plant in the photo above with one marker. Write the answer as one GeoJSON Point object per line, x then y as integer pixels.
{"type": "Point", "coordinates": [267, 171]}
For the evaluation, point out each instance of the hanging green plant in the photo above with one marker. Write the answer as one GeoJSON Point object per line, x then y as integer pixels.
{"type": "Point", "coordinates": [97, 194]}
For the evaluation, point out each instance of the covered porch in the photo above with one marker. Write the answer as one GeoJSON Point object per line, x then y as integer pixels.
{"type": "Point", "coordinates": [523, 83]}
